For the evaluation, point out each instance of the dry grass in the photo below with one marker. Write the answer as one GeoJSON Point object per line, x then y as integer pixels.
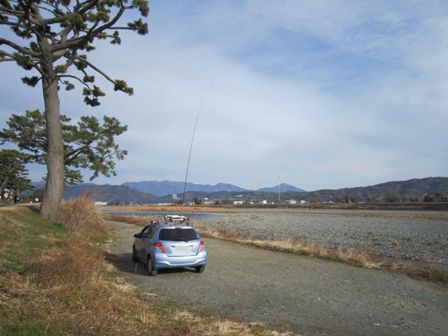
{"type": "Point", "coordinates": [83, 218]}
{"type": "Point", "coordinates": [73, 290]}
{"type": "Point", "coordinates": [296, 246]}
{"type": "Point", "coordinates": [136, 220]}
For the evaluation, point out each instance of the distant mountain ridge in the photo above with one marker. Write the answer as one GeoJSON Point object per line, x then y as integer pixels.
{"type": "Point", "coordinates": [394, 191]}
{"type": "Point", "coordinates": [110, 193]}
{"type": "Point", "coordinates": [162, 188]}
{"type": "Point", "coordinates": [435, 188]}
{"type": "Point", "coordinates": [283, 187]}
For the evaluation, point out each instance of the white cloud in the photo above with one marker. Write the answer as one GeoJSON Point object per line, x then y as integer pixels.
{"type": "Point", "coordinates": [322, 94]}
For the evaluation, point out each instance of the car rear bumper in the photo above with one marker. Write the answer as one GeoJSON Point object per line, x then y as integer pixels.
{"type": "Point", "coordinates": [163, 261]}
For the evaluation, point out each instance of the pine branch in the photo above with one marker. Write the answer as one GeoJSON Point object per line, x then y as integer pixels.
{"type": "Point", "coordinates": [11, 11]}
{"type": "Point", "coordinates": [88, 5]}
{"type": "Point", "coordinates": [76, 78]}
{"type": "Point", "coordinates": [121, 28]}
{"type": "Point", "coordinates": [6, 57]}
{"type": "Point", "coordinates": [102, 73]}
{"type": "Point", "coordinates": [80, 41]}
{"type": "Point", "coordinates": [15, 46]}
{"type": "Point", "coordinates": [14, 24]}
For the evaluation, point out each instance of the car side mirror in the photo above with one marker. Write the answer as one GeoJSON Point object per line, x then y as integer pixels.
{"type": "Point", "coordinates": [138, 235]}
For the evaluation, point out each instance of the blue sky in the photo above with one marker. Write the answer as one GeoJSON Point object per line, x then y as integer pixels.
{"type": "Point", "coordinates": [319, 94]}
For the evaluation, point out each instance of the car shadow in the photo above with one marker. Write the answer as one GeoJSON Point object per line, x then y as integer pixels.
{"type": "Point", "coordinates": [124, 263]}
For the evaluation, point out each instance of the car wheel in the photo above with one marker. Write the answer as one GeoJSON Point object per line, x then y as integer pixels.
{"type": "Point", "coordinates": [134, 255]}
{"type": "Point", "coordinates": [200, 269]}
{"type": "Point", "coordinates": [151, 270]}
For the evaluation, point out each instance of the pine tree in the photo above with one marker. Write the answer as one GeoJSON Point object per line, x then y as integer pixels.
{"type": "Point", "coordinates": [51, 38]}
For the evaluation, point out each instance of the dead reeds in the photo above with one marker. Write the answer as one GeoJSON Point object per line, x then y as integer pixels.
{"type": "Point", "coordinates": [296, 246]}
{"type": "Point", "coordinates": [82, 217]}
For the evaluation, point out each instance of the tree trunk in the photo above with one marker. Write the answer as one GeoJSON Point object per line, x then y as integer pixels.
{"type": "Point", "coordinates": [55, 155]}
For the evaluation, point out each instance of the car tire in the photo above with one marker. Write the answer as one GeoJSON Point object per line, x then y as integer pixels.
{"type": "Point", "coordinates": [151, 270]}
{"type": "Point", "coordinates": [200, 269]}
{"type": "Point", "coordinates": [134, 254]}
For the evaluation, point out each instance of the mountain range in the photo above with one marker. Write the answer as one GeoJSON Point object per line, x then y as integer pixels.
{"type": "Point", "coordinates": [110, 193]}
{"type": "Point", "coordinates": [162, 191]}
{"type": "Point", "coordinates": [433, 188]}
{"type": "Point", "coordinates": [282, 187]}
{"type": "Point", "coordinates": [161, 188]}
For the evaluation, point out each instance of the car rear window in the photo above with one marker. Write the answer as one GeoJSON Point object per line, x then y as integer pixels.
{"type": "Point", "coordinates": [178, 234]}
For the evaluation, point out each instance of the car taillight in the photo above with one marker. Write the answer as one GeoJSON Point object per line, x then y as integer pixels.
{"type": "Point", "coordinates": [159, 247]}
{"type": "Point", "coordinates": [201, 246]}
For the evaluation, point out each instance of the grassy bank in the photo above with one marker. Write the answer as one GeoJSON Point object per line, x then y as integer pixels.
{"type": "Point", "coordinates": [303, 247]}
{"type": "Point", "coordinates": [54, 280]}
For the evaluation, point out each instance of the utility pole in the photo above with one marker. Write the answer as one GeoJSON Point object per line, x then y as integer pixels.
{"type": "Point", "coordinates": [279, 189]}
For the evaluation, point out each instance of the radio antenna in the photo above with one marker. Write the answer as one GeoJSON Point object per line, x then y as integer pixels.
{"type": "Point", "coordinates": [192, 139]}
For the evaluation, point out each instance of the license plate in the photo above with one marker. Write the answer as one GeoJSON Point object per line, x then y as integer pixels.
{"type": "Point", "coordinates": [183, 249]}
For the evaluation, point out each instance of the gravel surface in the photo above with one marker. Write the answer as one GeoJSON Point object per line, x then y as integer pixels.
{"type": "Point", "coordinates": [306, 295]}
{"type": "Point", "coordinates": [412, 235]}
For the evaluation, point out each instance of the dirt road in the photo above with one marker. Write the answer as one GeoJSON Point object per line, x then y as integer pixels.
{"type": "Point", "coordinates": [302, 294]}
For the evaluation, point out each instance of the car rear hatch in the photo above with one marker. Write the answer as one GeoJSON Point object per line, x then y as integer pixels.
{"type": "Point", "coordinates": [179, 241]}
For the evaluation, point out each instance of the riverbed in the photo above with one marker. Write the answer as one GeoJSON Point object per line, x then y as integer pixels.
{"type": "Point", "coordinates": [410, 235]}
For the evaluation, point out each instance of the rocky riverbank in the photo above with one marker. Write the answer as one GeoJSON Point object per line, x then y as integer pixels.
{"type": "Point", "coordinates": [409, 235]}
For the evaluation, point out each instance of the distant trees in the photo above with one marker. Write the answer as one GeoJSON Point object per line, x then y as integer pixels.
{"type": "Point", "coordinates": [441, 198]}
{"type": "Point", "coordinates": [350, 199]}
{"type": "Point", "coordinates": [13, 172]}
{"type": "Point", "coordinates": [428, 198]}
{"type": "Point", "coordinates": [437, 197]}
{"type": "Point", "coordinates": [391, 197]}
{"type": "Point", "coordinates": [197, 200]}
{"type": "Point", "coordinates": [52, 38]}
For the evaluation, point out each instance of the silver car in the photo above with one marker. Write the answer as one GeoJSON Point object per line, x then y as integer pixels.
{"type": "Point", "coordinates": [171, 243]}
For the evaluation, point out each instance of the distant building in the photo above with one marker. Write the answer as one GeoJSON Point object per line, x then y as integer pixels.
{"type": "Point", "coordinates": [100, 203]}
{"type": "Point", "coordinates": [291, 201]}
{"type": "Point", "coordinates": [238, 202]}
{"type": "Point", "coordinates": [302, 201]}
